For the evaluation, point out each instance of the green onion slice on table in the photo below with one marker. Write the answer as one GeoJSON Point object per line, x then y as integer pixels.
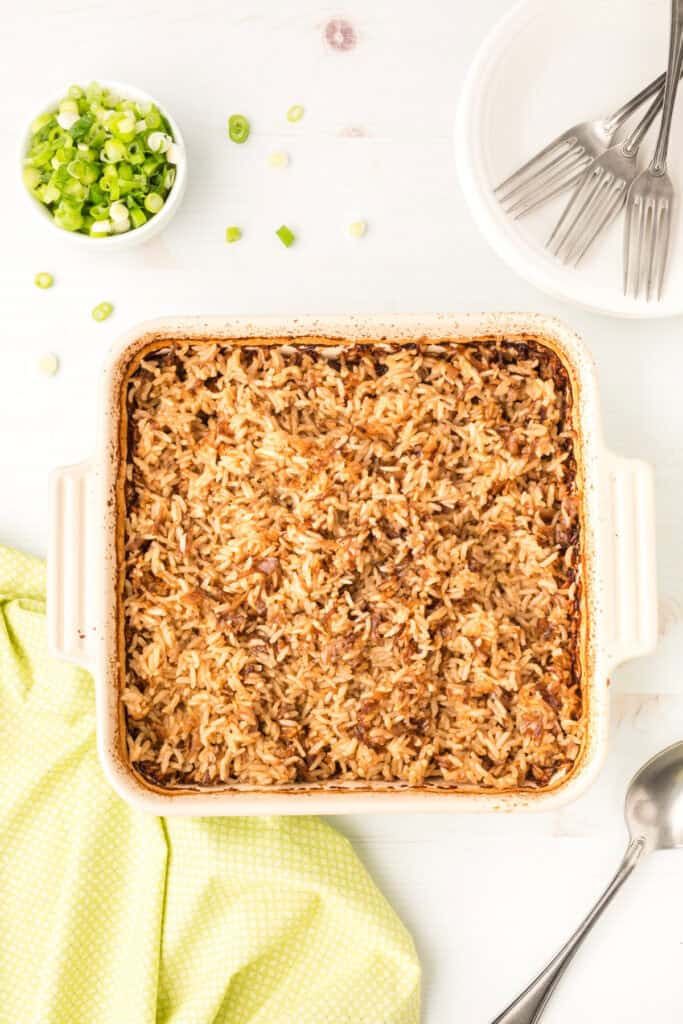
{"type": "Point", "coordinates": [238, 128]}
{"type": "Point", "coordinates": [286, 236]}
{"type": "Point", "coordinates": [102, 311]}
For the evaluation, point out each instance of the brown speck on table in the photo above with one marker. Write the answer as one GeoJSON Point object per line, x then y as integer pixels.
{"type": "Point", "coordinates": [353, 131]}
{"type": "Point", "coordinates": [340, 34]}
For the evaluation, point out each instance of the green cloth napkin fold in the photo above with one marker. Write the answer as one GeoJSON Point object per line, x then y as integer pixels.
{"type": "Point", "coordinates": [111, 916]}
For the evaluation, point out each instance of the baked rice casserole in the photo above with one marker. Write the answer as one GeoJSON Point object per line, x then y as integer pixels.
{"type": "Point", "coordinates": [351, 564]}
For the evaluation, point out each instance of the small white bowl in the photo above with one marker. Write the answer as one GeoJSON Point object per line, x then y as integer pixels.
{"type": "Point", "coordinates": [136, 236]}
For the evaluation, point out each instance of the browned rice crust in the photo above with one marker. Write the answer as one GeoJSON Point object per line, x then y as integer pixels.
{"type": "Point", "coordinates": [352, 563]}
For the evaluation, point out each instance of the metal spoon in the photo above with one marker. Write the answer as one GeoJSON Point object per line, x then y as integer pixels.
{"type": "Point", "coordinates": [654, 817]}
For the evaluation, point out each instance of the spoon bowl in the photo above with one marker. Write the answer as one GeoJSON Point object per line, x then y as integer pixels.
{"type": "Point", "coordinates": [654, 801]}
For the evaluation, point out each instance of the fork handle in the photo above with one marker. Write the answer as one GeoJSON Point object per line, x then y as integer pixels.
{"type": "Point", "coordinates": [673, 74]}
{"type": "Point", "coordinates": [622, 115]}
{"type": "Point", "coordinates": [633, 140]}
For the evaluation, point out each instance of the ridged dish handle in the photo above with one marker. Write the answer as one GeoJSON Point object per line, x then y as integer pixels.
{"type": "Point", "coordinates": [72, 629]}
{"type": "Point", "coordinates": [631, 571]}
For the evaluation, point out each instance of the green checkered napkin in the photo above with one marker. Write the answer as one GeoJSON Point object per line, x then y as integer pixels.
{"type": "Point", "coordinates": [111, 916]}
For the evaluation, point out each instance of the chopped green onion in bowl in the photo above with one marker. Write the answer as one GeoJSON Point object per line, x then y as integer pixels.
{"type": "Point", "coordinates": [286, 236]}
{"type": "Point", "coordinates": [232, 234]}
{"type": "Point", "coordinates": [295, 113]}
{"type": "Point", "coordinates": [43, 280]}
{"type": "Point", "coordinates": [102, 311]}
{"type": "Point", "coordinates": [102, 165]}
{"type": "Point", "coordinates": [238, 128]}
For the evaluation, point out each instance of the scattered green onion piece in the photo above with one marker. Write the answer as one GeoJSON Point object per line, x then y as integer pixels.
{"type": "Point", "coordinates": [238, 128]}
{"type": "Point", "coordinates": [279, 159]}
{"type": "Point", "coordinates": [75, 92]}
{"type": "Point", "coordinates": [48, 364]}
{"type": "Point", "coordinates": [295, 113]}
{"type": "Point", "coordinates": [153, 202]}
{"type": "Point", "coordinates": [102, 311]}
{"type": "Point", "coordinates": [232, 234]}
{"type": "Point", "coordinates": [357, 229]}
{"type": "Point", "coordinates": [43, 280]}
{"type": "Point", "coordinates": [285, 235]}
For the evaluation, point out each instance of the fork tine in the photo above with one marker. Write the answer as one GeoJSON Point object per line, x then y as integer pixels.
{"type": "Point", "coordinates": [641, 246]}
{"type": "Point", "coordinates": [652, 252]}
{"type": "Point", "coordinates": [569, 208]}
{"type": "Point", "coordinates": [574, 211]}
{"type": "Point", "coordinates": [540, 179]}
{"type": "Point", "coordinates": [591, 217]}
{"type": "Point", "coordinates": [646, 245]}
{"type": "Point", "coordinates": [626, 251]}
{"type": "Point", "coordinates": [548, 168]}
{"type": "Point", "coordinates": [614, 204]}
{"type": "Point", "coordinates": [635, 239]}
{"type": "Point", "coordinates": [543, 188]}
{"type": "Point", "coordinates": [660, 258]}
{"type": "Point", "coordinates": [561, 140]}
{"type": "Point", "coordinates": [566, 183]}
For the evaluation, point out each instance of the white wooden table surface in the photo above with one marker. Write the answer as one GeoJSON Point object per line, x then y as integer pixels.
{"type": "Point", "coordinates": [488, 898]}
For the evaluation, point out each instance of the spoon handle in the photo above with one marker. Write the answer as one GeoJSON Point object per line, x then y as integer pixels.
{"type": "Point", "coordinates": [528, 1007]}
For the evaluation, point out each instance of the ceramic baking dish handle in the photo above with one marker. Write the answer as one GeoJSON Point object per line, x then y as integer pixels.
{"type": "Point", "coordinates": [72, 630]}
{"type": "Point", "coordinates": [629, 546]}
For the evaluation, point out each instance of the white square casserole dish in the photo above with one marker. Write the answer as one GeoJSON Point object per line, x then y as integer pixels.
{"type": "Point", "coordinates": [618, 619]}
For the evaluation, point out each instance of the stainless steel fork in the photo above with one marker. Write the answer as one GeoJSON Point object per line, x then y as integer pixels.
{"type": "Point", "coordinates": [601, 194]}
{"type": "Point", "coordinates": [650, 201]}
{"type": "Point", "coordinates": [561, 163]}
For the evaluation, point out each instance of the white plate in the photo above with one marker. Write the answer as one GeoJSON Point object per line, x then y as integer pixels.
{"type": "Point", "coordinates": [547, 65]}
